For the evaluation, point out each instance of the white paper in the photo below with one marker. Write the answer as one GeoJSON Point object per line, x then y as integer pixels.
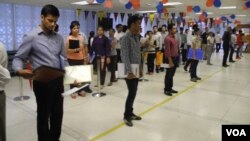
{"type": "Point", "coordinates": [165, 65]}
{"type": "Point", "coordinates": [73, 90]}
{"type": "Point", "coordinates": [121, 70]}
{"type": "Point", "coordinates": [80, 73]}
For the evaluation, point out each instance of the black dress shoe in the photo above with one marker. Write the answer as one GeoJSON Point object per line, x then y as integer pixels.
{"type": "Point", "coordinates": [128, 122]}
{"type": "Point", "coordinates": [168, 93]}
{"type": "Point", "coordinates": [173, 91]}
{"type": "Point", "coordinates": [135, 117]}
{"type": "Point", "coordinates": [232, 61]}
{"type": "Point", "coordinates": [88, 90]}
{"type": "Point", "coordinates": [225, 66]}
{"type": "Point", "coordinates": [185, 69]}
{"type": "Point", "coordinates": [198, 78]}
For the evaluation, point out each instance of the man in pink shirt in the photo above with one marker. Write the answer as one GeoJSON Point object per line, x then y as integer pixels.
{"type": "Point", "coordinates": [171, 52]}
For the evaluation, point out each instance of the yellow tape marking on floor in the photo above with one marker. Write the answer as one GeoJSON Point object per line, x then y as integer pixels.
{"type": "Point", "coordinates": [154, 107]}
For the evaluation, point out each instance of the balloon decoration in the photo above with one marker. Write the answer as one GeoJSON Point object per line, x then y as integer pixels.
{"type": "Point", "coordinates": [90, 1]}
{"type": "Point", "coordinates": [100, 1]}
{"type": "Point", "coordinates": [151, 17]}
{"type": "Point", "coordinates": [223, 18]}
{"type": "Point", "coordinates": [247, 4]}
{"type": "Point", "coordinates": [196, 9]}
{"type": "Point", "coordinates": [128, 5]}
{"type": "Point", "coordinates": [164, 1]}
{"type": "Point", "coordinates": [210, 3]}
{"type": "Point", "coordinates": [232, 16]}
{"type": "Point", "coordinates": [159, 7]}
{"type": "Point", "coordinates": [204, 13]}
{"type": "Point", "coordinates": [136, 4]}
{"type": "Point", "coordinates": [189, 8]}
{"type": "Point", "coordinates": [217, 3]}
{"type": "Point", "coordinates": [123, 1]}
{"type": "Point", "coordinates": [108, 4]}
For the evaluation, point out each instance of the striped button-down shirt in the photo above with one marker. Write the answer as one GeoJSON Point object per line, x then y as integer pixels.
{"type": "Point", "coordinates": [130, 51]}
{"type": "Point", "coordinates": [41, 50]}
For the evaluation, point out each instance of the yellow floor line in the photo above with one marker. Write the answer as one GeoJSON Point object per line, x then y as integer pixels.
{"type": "Point", "coordinates": [154, 107]}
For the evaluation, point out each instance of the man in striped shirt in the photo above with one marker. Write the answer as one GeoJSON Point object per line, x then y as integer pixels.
{"type": "Point", "coordinates": [130, 54]}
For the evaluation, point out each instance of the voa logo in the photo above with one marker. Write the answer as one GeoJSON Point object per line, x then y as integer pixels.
{"type": "Point", "coordinates": [236, 132]}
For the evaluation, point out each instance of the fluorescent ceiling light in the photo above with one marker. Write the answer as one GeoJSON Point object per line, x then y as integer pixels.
{"type": "Point", "coordinates": [228, 7]}
{"type": "Point", "coordinates": [83, 3]}
{"type": "Point", "coordinates": [241, 15]}
{"type": "Point", "coordinates": [149, 11]}
{"type": "Point", "coordinates": [172, 3]}
{"type": "Point", "coordinates": [209, 13]}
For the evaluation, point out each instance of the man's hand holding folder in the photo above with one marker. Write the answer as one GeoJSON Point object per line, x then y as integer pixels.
{"type": "Point", "coordinates": [42, 74]}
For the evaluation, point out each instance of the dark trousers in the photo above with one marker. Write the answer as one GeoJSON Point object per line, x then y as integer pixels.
{"type": "Point", "coordinates": [49, 109]}
{"type": "Point", "coordinates": [119, 59]}
{"type": "Point", "coordinates": [238, 51]}
{"type": "Point", "coordinates": [226, 51]}
{"type": "Point", "coordinates": [193, 68]}
{"type": "Point", "coordinates": [218, 46]}
{"type": "Point", "coordinates": [2, 116]}
{"type": "Point", "coordinates": [112, 67]}
{"type": "Point", "coordinates": [102, 68]}
{"type": "Point", "coordinates": [132, 89]}
{"type": "Point", "coordinates": [231, 53]}
{"type": "Point", "coordinates": [75, 63]}
{"type": "Point", "coordinates": [189, 60]}
{"type": "Point", "coordinates": [150, 62]}
{"type": "Point", "coordinates": [170, 75]}
{"type": "Point", "coordinates": [184, 55]}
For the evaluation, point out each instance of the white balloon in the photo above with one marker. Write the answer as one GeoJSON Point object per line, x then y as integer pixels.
{"type": "Point", "coordinates": [123, 1]}
{"type": "Point", "coordinates": [90, 1]}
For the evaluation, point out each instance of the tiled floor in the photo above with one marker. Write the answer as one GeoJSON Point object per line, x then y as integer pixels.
{"type": "Point", "coordinates": [195, 114]}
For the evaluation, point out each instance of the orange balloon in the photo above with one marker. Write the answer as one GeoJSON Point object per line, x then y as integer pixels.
{"type": "Point", "coordinates": [245, 7]}
{"type": "Point", "coordinates": [108, 4]}
{"type": "Point", "coordinates": [136, 4]}
{"type": "Point", "coordinates": [210, 3]}
{"type": "Point", "coordinates": [164, 1]}
{"type": "Point", "coordinates": [189, 8]}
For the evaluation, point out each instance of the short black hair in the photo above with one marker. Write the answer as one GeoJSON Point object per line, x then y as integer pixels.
{"type": "Point", "coordinates": [164, 26]}
{"type": "Point", "coordinates": [133, 19]}
{"type": "Point", "coordinates": [50, 10]}
{"type": "Point", "coordinates": [170, 26]}
{"type": "Point", "coordinates": [118, 25]}
{"type": "Point", "coordinates": [56, 28]}
{"type": "Point", "coordinates": [112, 29]}
{"type": "Point", "coordinates": [92, 33]}
{"type": "Point", "coordinates": [72, 25]}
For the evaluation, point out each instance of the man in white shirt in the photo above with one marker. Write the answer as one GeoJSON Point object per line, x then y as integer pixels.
{"type": "Point", "coordinates": [189, 43]}
{"type": "Point", "coordinates": [157, 37]}
{"type": "Point", "coordinates": [4, 78]}
{"type": "Point", "coordinates": [233, 44]}
{"type": "Point", "coordinates": [118, 35]}
{"type": "Point", "coordinates": [218, 41]}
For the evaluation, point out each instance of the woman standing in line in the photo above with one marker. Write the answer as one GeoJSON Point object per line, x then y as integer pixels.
{"type": "Point", "coordinates": [101, 47]}
{"type": "Point", "coordinates": [150, 45]}
{"type": "Point", "coordinates": [210, 47]}
{"type": "Point", "coordinates": [196, 44]}
{"type": "Point", "coordinates": [76, 55]}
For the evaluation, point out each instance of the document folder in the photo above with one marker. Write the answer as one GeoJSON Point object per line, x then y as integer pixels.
{"type": "Point", "coordinates": [121, 70]}
{"type": "Point", "coordinates": [198, 53]}
{"type": "Point", "coordinates": [46, 74]}
{"type": "Point", "coordinates": [79, 73]}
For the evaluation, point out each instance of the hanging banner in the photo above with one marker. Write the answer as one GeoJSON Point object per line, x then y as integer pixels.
{"type": "Point", "coordinates": [86, 13]}
{"type": "Point", "coordinates": [166, 16]}
{"type": "Point", "coordinates": [100, 15]}
{"type": "Point", "coordinates": [116, 15]}
{"type": "Point", "coordinates": [93, 14]}
{"type": "Point", "coordinates": [151, 17]}
{"type": "Point", "coordinates": [78, 13]}
{"type": "Point", "coordinates": [122, 16]}
{"type": "Point", "coordinates": [108, 14]}
{"type": "Point", "coordinates": [146, 20]}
